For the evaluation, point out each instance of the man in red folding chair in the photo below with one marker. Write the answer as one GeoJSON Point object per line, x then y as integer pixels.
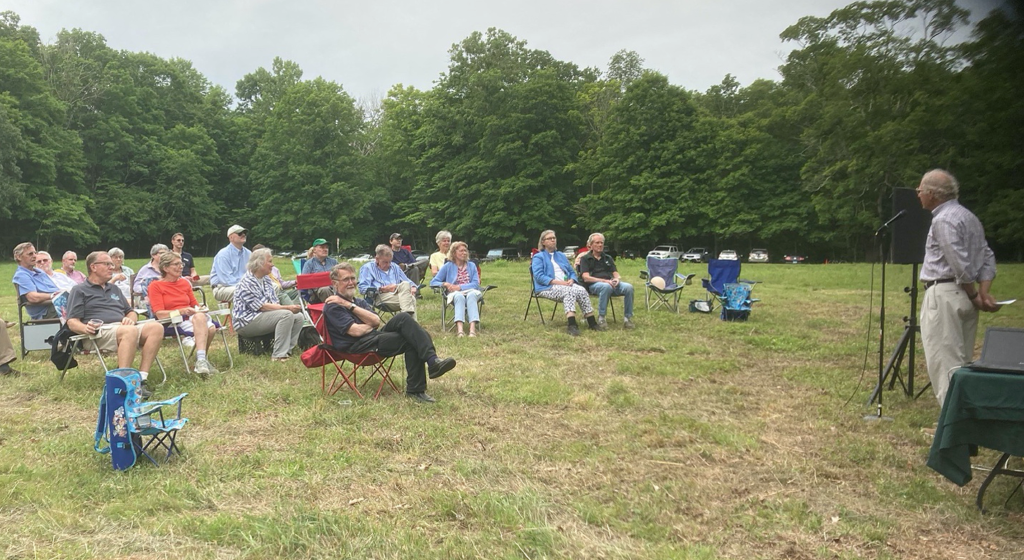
{"type": "Point", "coordinates": [353, 324]}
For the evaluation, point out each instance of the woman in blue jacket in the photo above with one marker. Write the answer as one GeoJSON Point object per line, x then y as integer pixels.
{"type": "Point", "coordinates": [554, 278]}
{"type": "Point", "coordinates": [461, 282]}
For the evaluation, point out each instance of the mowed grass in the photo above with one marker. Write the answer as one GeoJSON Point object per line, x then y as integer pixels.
{"type": "Point", "coordinates": [685, 438]}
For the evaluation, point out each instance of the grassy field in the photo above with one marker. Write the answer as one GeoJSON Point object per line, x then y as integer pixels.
{"type": "Point", "coordinates": [686, 438]}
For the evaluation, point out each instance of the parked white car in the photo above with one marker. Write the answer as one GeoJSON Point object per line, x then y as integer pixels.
{"type": "Point", "coordinates": [728, 255]}
{"type": "Point", "coordinates": [758, 256]}
{"type": "Point", "coordinates": [665, 252]}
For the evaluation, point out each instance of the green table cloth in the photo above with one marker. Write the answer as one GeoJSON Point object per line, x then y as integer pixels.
{"type": "Point", "coordinates": [981, 409]}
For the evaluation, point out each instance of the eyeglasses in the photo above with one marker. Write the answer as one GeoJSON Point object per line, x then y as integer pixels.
{"type": "Point", "coordinates": [549, 238]}
{"type": "Point", "coordinates": [347, 279]}
{"type": "Point", "coordinates": [177, 263]}
{"type": "Point", "coordinates": [105, 263]}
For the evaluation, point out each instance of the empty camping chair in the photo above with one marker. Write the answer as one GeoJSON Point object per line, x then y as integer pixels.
{"type": "Point", "coordinates": [324, 353]}
{"type": "Point", "coordinates": [736, 301]}
{"type": "Point", "coordinates": [720, 273]}
{"type": "Point", "coordinates": [130, 426]}
{"type": "Point", "coordinates": [664, 283]}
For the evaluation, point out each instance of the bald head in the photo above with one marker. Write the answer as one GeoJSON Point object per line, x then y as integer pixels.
{"type": "Point", "coordinates": [941, 184]}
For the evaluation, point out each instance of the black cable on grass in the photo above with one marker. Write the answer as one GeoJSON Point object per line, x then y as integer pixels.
{"type": "Point", "coordinates": [867, 337]}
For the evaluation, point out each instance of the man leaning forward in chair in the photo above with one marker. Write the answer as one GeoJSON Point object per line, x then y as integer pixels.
{"type": "Point", "coordinates": [395, 290]}
{"type": "Point", "coordinates": [97, 299]}
{"type": "Point", "coordinates": [597, 269]}
{"type": "Point", "coordinates": [352, 324]}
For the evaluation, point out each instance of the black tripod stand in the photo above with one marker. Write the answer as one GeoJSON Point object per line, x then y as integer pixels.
{"type": "Point", "coordinates": [904, 348]}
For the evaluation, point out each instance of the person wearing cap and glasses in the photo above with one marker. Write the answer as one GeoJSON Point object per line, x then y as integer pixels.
{"type": "Point", "coordinates": [319, 262]}
{"type": "Point", "coordinates": [229, 265]}
{"type": "Point", "coordinates": [957, 273]}
{"type": "Point", "coordinates": [406, 260]}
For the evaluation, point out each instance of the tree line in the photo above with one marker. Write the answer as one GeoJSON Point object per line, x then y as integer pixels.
{"type": "Point", "coordinates": [100, 147]}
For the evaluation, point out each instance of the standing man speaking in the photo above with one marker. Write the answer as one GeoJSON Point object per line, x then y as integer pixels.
{"type": "Point", "coordinates": [957, 273]}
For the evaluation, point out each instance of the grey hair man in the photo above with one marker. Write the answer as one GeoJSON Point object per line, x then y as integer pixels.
{"type": "Point", "coordinates": [601, 278]}
{"type": "Point", "coordinates": [394, 289]}
{"type": "Point", "coordinates": [957, 273]}
{"type": "Point", "coordinates": [116, 328]}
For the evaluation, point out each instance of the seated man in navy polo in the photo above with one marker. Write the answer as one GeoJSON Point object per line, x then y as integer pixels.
{"type": "Point", "coordinates": [406, 260]}
{"type": "Point", "coordinates": [395, 290]}
{"type": "Point", "coordinates": [97, 299]}
{"type": "Point", "coordinates": [34, 286]}
{"type": "Point", "coordinates": [601, 277]}
{"type": "Point", "coordinates": [319, 262]}
{"type": "Point", "coordinates": [352, 324]}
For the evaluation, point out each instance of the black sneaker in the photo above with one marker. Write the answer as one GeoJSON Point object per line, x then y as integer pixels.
{"type": "Point", "coordinates": [573, 330]}
{"type": "Point", "coordinates": [144, 392]}
{"type": "Point", "coordinates": [421, 397]}
{"type": "Point", "coordinates": [440, 367]}
{"type": "Point", "coordinates": [6, 369]}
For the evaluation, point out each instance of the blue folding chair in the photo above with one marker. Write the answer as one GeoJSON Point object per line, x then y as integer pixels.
{"type": "Point", "coordinates": [720, 272]}
{"type": "Point", "coordinates": [736, 301]}
{"type": "Point", "coordinates": [668, 295]}
{"type": "Point", "coordinates": [130, 426]}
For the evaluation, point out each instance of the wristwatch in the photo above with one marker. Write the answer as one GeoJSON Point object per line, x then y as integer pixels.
{"type": "Point", "coordinates": [352, 307]}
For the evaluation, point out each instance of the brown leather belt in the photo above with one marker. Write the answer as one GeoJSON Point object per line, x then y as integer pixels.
{"type": "Point", "coordinates": [931, 283]}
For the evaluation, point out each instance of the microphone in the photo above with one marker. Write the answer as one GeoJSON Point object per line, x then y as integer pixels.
{"type": "Point", "coordinates": [891, 220]}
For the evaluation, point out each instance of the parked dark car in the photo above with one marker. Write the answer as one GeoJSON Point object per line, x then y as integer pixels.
{"type": "Point", "coordinates": [502, 253]}
{"type": "Point", "coordinates": [794, 259]}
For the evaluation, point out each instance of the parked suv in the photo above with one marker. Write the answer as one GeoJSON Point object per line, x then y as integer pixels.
{"type": "Point", "coordinates": [696, 254]}
{"type": "Point", "coordinates": [665, 252]}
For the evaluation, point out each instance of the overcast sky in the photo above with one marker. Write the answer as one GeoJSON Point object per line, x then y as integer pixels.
{"type": "Point", "coordinates": [369, 46]}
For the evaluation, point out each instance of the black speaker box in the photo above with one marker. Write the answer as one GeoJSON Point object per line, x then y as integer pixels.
{"type": "Point", "coordinates": [910, 232]}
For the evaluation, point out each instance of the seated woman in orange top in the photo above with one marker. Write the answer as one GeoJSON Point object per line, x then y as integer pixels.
{"type": "Point", "coordinates": [172, 292]}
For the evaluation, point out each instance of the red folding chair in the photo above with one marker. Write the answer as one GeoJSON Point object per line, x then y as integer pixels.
{"type": "Point", "coordinates": [325, 353]}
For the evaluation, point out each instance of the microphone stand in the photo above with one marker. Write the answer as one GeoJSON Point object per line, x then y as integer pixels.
{"type": "Point", "coordinates": [881, 320]}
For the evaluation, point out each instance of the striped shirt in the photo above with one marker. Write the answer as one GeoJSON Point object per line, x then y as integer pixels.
{"type": "Point", "coordinates": [371, 276]}
{"type": "Point", "coordinates": [956, 247]}
{"type": "Point", "coordinates": [250, 295]}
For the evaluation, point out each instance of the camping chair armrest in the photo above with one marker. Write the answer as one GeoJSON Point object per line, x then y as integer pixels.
{"type": "Point", "coordinates": [488, 287]}
{"type": "Point", "coordinates": [644, 274]}
{"type": "Point", "coordinates": [750, 282]}
{"type": "Point", "coordinates": [687, 279]}
{"type": "Point", "coordinates": [754, 300]}
{"type": "Point", "coordinates": [147, 408]}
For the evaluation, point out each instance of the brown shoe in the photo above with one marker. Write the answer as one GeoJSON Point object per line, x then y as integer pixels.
{"type": "Point", "coordinates": [6, 369]}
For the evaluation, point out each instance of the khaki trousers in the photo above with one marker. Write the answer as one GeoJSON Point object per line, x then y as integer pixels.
{"type": "Point", "coordinates": [7, 354]}
{"type": "Point", "coordinates": [401, 299]}
{"type": "Point", "coordinates": [949, 324]}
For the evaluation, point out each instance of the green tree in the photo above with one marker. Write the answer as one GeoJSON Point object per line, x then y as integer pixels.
{"type": "Point", "coordinates": [498, 137]}
{"type": "Point", "coordinates": [874, 108]}
{"type": "Point", "coordinates": [642, 177]}
{"type": "Point", "coordinates": [307, 172]}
